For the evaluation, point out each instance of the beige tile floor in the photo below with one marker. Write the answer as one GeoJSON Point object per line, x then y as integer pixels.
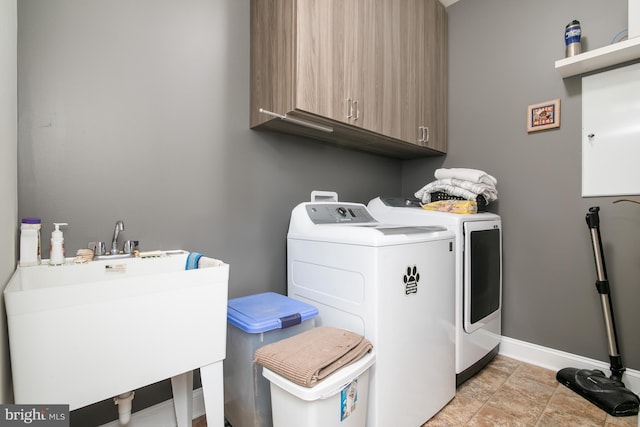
{"type": "Point", "coordinates": [509, 393]}
{"type": "Point", "coordinates": [514, 394]}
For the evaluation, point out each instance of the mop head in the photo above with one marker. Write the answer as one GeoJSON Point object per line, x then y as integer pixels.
{"type": "Point", "coordinates": [607, 394]}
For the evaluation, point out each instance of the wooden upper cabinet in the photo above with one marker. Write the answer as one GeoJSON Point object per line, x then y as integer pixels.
{"type": "Point", "coordinates": [366, 74]}
{"type": "Point", "coordinates": [432, 82]}
{"type": "Point", "coordinates": [361, 64]}
{"type": "Point", "coordinates": [320, 64]}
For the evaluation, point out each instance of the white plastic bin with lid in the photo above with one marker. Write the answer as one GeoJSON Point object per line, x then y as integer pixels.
{"type": "Point", "coordinates": [339, 400]}
{"type": "Point", "coordinates": [252, 322]}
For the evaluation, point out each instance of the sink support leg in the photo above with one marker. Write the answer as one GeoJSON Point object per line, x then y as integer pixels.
{"type": "Point", "coordinates": [213, 392]}
{"type": "Point", "coordinates": [182, 387]}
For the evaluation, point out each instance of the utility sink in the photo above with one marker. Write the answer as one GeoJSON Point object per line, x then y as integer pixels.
{"type": "Point", "coordinates": [82, 333]}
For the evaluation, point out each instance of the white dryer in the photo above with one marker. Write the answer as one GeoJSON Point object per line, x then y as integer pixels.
{"type": "Point", "coordinates": [392, 284]}
{"type": "Point", "coordinates": [478, 276]}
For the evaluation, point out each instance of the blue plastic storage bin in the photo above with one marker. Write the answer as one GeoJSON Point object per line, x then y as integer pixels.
{"type": "Point", "coordinates": [268, 311]}
{"type": "Point", "coordinates": [254, 321]}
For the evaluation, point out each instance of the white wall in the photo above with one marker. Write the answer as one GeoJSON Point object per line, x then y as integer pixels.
{"type": "Point", "coordinates": [8, 173]}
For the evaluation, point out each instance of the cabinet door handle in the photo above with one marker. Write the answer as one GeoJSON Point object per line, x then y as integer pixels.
{"type": "Point", "coordinates": [300, 122]}
{"type": "Point", "coordinates": [349, 108]}
{"type": "Point", "coordinates": [424, 134]}
{"type": "Point", "coordinates": [356, 105]}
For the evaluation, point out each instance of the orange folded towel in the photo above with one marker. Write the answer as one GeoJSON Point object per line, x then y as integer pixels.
{"type": "Point", "coordinates": [453, 206]}
{"type": "Point", "coordinates": [308, 358]}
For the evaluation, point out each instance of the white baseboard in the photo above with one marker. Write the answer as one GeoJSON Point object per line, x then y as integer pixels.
{"type": "Point", "coordinates": [161, 415]}
{"type": "Point", "coordinates": [555, 360]}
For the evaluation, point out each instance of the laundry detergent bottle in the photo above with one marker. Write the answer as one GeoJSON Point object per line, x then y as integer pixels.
{"type": "Point", "coordinates": [56, 250]}
{"type": "Point", "coordinates": [30, 242]}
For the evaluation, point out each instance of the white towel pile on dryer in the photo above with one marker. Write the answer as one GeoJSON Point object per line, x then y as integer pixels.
{"type": "Point", "coordinates": [461, 182]}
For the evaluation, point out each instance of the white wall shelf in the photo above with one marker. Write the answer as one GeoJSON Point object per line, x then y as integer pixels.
{"type": "Point", "coordinates": [613, 54]}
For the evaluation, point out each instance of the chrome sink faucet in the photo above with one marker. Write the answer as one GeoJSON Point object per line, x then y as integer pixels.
{"type": "Point", "coordinates": [116, 232]}
{"type": "Point", "coordinates": [128, 250]}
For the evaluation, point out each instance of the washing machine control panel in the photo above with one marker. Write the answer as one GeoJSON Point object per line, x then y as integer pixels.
{"type": "Point", "coordinates": [334, 213]}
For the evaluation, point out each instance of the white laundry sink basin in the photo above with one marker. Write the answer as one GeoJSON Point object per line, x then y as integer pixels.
{"type": "Point", "coordinates": [82, 333]}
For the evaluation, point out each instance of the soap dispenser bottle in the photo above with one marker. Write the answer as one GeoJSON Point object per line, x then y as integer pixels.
{"type": "Point", "coordinates": [56, 252]}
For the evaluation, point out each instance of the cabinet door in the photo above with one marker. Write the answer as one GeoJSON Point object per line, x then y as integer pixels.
{"type": "Point", "coordinates": [399, 73]}
{"type": "Point", "coordinates": [361, 63]}
{"type": "Point", "coordinates": [432, 79]}
{"type": "Point", "coordinates": [320, 72]}
{"type": "Point", "coordinates": [272, 58]}
{"type": "Point", "coordinates": [412, 78]}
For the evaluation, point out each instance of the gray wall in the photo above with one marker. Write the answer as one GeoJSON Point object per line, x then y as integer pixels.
{"type": "Point", "coordinates": [502, 58]}
{"type": "Point", "coordinates": [8, 173]}
{"type": "Point", "coordinates": [138, 110]}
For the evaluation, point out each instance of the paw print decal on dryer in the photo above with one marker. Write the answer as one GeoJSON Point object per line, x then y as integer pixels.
{"type": "Point", "coordinates": [411, 280]}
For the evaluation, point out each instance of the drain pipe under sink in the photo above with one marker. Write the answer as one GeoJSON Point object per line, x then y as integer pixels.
{"type": "Point", "coordinates": [124, 406]}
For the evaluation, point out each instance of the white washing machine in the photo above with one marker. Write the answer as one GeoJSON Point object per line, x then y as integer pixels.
{"type": "Point", "coordinates": [392, 284]}
{"type": "Point", "coordinates": [478, 276]}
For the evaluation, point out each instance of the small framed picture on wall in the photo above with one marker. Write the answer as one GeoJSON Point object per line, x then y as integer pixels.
{"type": "Point", "coordinates": [545, 115]}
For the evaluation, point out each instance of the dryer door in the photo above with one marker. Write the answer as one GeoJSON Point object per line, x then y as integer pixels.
{"type": "Point", "coordinates": [482, 273]}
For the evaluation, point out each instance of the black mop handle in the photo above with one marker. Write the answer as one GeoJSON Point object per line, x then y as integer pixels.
{"type": "Point", "coordinates": [602, 285]}
{"type": "Point", "coordinates": [593, 221]}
